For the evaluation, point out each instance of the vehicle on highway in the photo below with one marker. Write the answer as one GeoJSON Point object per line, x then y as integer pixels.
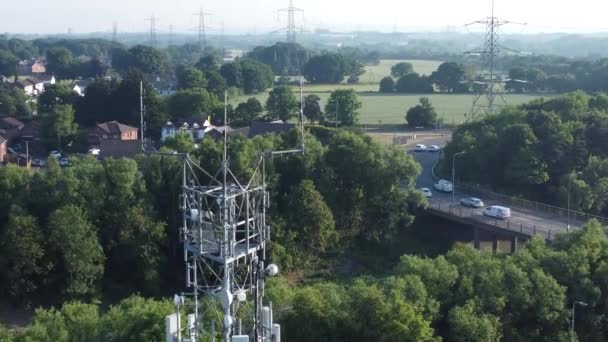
{"type": "Point", "coordinates": [472, 202]}
{"type": "Point", "coordinates": [426, 192]}
{"type": "Point", "coordinates": [443, 186]}
{"type": "Point", "coordinates": [498, 212]}
{"type": "Point", "coordinates": [38, 162]}
{"type": "Point", "coordinates": [64, 162]}
{"type": "Point", "coordinates": [420, 148]}
{"type": "Point", "coordinates": [55, 154]}
{"type": "Point", "coordinates": [434, 148]}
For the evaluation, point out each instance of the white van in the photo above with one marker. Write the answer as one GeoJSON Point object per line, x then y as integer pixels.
{"type": "Point", "coordinates": [444, 186]}
{"type": "Point", "coordinates": [420, 148]}
{"type": "Point", "coordinates": [498, 212]}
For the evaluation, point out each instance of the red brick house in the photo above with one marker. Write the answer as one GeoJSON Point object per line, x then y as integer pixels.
{"type": "Point", "coordinates": [114, 130]}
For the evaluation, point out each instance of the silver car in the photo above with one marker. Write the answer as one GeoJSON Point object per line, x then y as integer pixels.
{"type": "Point", "coordinates": [472, 202]}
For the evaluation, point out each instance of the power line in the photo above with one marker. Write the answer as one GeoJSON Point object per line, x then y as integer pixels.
{"type": "Point", "coordinates": [490, 95]}
{"type": "Point", "coordinates": [202, 28]}
{"type": "Point", "coordinates": [291, 21]}
{"type": "Point", "coordinates": [153, 39]}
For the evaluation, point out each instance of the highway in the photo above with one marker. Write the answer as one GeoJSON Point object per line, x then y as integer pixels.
{"type": "Point", "coordinates": [527, 218]}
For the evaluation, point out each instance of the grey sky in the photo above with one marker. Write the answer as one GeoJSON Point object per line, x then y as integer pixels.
{"type": "Point", "coordinates": [52, 16]}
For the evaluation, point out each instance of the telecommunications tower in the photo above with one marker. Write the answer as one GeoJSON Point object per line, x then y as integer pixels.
{"type": "Point", "coordinates": [490, 95]}
{"type": "Point", "coordinates": [224, 233]}
{"type": "Point", "coordinates": [291, 21]}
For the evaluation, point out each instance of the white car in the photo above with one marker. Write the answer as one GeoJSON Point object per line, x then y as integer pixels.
{"type": "Point", "coordinates": [434, 148]}
{"type": "Point", "coordinates": [444, 186]}
{"type": "Point", "coordinates": [64, 162]}
{"type": "Point", "coordinates": [55, 154]}
{"type": "Point", "coordinates": [94, 151]}
{"type": "Point", "coordinates": [472, 202]}
{"type": "Point", "coordinates": [498, 212]}
{"type": "Point", "coordinates": [420, 148]}
{"type": "Point", "coordinates": [426, 192]}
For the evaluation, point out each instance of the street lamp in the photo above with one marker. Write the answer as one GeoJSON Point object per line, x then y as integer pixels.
{"type": "Point", "coordinates": [569, 185]}
{"type": "Point", "coordinates": [581, 304]}
{"type": "Point", "coordinates": [454, 173]}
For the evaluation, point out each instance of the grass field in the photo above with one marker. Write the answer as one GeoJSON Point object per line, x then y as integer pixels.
{"type": "Point", "coordinates": [391, 108]}
{"type": "Point", "coordinates": [374, 73]}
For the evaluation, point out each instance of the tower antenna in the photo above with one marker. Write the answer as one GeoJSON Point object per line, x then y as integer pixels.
{"type": "Point", "coordinates": [490, 95]}
{"type": "Point", "coordinates": [202, 29]}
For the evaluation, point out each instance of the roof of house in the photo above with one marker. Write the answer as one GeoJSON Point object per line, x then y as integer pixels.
{"type": "Point", "coordinates": [44, 78]}
{"type": "Point", "coordinates": [261, 128]}
{"type": "Point", "coordinates": [2, 140]}
{"type": "Point", "coordinates": [10, 123]}
{"type": "Point", "coordinates": [114, 127]}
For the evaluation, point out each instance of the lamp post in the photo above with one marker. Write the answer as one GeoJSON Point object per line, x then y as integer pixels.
{"type": "Point", "coordinates": [454, 173]}
{"type": "Point", "coordinates": [581, 304]}
{"type": "Point", "coordinates": [569, 186]}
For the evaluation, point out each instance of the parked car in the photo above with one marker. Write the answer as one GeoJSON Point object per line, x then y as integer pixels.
{"type": "Point", "coordinates": [64, 162]}
{"type": "Point", "coordinates": [434, 148]}
{"type": "Point", "coordinates": [420, 148]}
{"type": "Point", "coordinates": [472, 202]}
{"type": "Point", "coordinates": [498, 212]}
{"type": "Point", "coordinates": [55, 154]}
{"type": "Point", "coordinates": [426, 192]}
{"type": "Point", "coordinates": [94, 151]}
{"type": "Point", "coordinates": [38, 162]}
{"type": "Point", "coordinates": [443, 186]}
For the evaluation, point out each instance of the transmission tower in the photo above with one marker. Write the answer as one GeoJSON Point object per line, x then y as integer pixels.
{"type": "Point", "coordinates": [202, 29]}
{"type": "Point", "coordinates": [170, 34]}
{"type": "Point", "coordinates": [224, 234]}
{"type": "Point", "coordinates": [291, 21]}
{"type": "Point", "coordinates": [153, 39]}
{"type": "Point", "coordinates": [114, 31]}
{"type": "Point", "coordinates": [491, 82]}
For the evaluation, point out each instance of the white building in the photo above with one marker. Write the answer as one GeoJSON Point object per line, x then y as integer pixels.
{"type": "Point", "coordinates": [194, 130]}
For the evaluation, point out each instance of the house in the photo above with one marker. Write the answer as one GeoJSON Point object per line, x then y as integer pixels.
{"type": "Point", "coordinates": [112, 130]}
{"type": "Point", "coordinates": [193, 129]}
{"type": "Point", "coordinates": [10, 129]}
{"type": "Point", "coordinates": [27, 86]}
{"type": "Point", "coordinates": [45, 80]}
{"type": "Point", "coordinates": [36, 67]}
{"type": "Point", "coordinates": [80, 87]}
{"type": "Point", "coordinates": [277, 127]}
{"type": "Point", "coordinates": [3, 150]}
{"type": "Point", "coordinates": [119, 148]}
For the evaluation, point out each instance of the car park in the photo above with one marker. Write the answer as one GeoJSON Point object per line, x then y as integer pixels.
{"type": "Point", "coordinates": [38, 162]}
{"type": "Point", "coordinates": [94, 151]}
{"type": "Point", "coordinates": [472, 202]}
{"type": "Point", "coordinates": [420, 148]}
{"type": "Point", "coordinates": [64, 162]}
{"type": "Point", "coordinates": [426, 192]}
{"type": "Point", "coordinates": [55, 154]}
{"type": "Point", "coordinates": [434, 148]}
{"type": "Point", "coordinates": [498, 212]}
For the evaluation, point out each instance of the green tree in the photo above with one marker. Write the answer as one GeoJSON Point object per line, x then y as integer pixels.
{"type": "Point", "coordinates": [181, 143]}
{"type": "Point", "coordinates": [448, 77]}
{"type": "Point", "coordinates": [59, 61]}
{"type": "Point", "coordinates": [311, 218]}
{"type": "Point", "coordinates": [281, 104]}
{"type": "Point", "coordinates": [73, 240]}
{"type": "Point", "coordinates": [56, 94]}
{"type": "Point", "coordinates": [468, 324]}
{"type": "Point", "coordinates": [248, 111]}
{"type": "Point", "coordinates": [414, 83]}
{"type": "Point", "coordinates": [190, 77]}
{"type": "Point", "coordinates": [401, 69]}
{"type": "Point", "coordinates": [312, 108]}
{"type": "Point", "coordinates": [422, 115]}
{"type": "Point", "coordinates": [191, 103]}
{"type": "Point", "coordinates": [387, 85]}
{"type": "Point", "coordinates": [344, 105]}
{"type": "Point", "coordinates": [233, 74]}
{"type": "Point", "coordinates": [8, 63]}
{"type": "Point", "coordinates": [257, 77]}
{"type": "Point", "coordinates": [326, 68]}
{"type": "Point", "coordinates": [60, 123]}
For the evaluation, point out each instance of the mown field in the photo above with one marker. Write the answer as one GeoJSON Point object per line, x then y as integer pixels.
{"type": "Point", "coordinates": [380, 108]}
{"type": "Point", "coordinates": [374, 73]}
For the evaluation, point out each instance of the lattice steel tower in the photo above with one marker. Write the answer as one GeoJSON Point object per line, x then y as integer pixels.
{"type": "Point", "coordinates": [291, 21]}
{"type": "Point", "coordinates": [491, 95]}
{"type": "Point", "coordinates": [202, 29]}
{"type": "Point", "coordinates": [153, 39]}
{"type": "Point", "coordinates": [224, 233]}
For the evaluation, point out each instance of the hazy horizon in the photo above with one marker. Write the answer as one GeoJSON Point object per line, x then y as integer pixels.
{"type": "Point", "coordinates": [44, 17]}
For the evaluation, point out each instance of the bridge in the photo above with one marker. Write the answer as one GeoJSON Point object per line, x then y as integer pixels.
{"type": "Point", "coordinates": [527, 218]}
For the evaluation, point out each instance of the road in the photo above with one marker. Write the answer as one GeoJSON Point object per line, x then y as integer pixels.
{"type": "Point", "coordinates": [529, 221]}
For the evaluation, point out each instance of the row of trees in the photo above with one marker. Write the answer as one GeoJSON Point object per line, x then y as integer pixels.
{"type": "Point", "coordinates": [536, 149]}
{"type": "Point", "coordinates": [462, 296]}
{"type": "Point", "coordinates": [449, 77]}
